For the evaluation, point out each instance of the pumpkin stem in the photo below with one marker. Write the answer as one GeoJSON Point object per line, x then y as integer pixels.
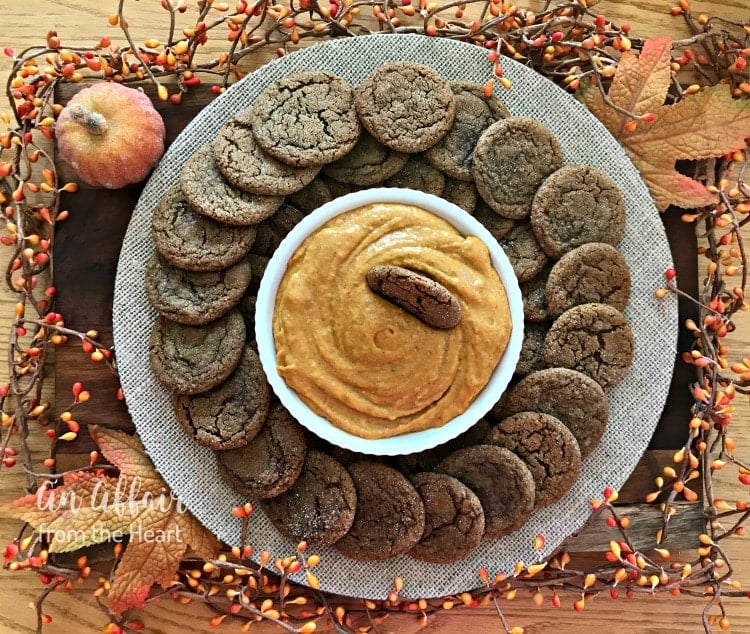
{"type": "Point", "coordinates": [94, 122]}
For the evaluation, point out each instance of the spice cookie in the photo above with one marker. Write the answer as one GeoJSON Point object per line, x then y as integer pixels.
{"type": "Point", "coordinates": [592, 273]}
{"type": "Point", "coordinates": [428, 459]}
{"type": "Point", "coordinates": [313, 195]}
{"type": "Point", "coordinates": [306, 119]}
{"type": "Point", "coordinates": [206, 191]}
{"type": "Point", "coordinates": [369, 163]}
{"type": "Point", "coordinates": [532, 348]}
{"type": "Point", "coordinates": [547, 447]}
{"type": "Point", "coordinates": [534, 293]}
{"type": "Point", "coordinates": [418, 174]}
{"type": "Point", "coordinates": [523, 250]}
{"type": "Point", "coordinates": [576, 400]}
{"type": "Point", "coordinates": [408, 107]}
{"type": "Point", "coordinates": [319, 507]}
{"type": "Point", "coordinates": [499, 226]}
{"type": "Point", "coordinates": [272, 231]}
{"type": "Point", "coordinates": [389, 519]}
{"type": "Point", "coordinates": [231, 414]}
{"type": "Point", "coordinates": [512, 158]}
{"type": "Point", "coordinates": [244, 164]}
{"type": "Point", "coordinates": [461, 193]}
{"type": "Point", "coordinates": [502, 482]}
{"type": "Point", "coordinates": [271, 462]}
{"type": "Point", "coordinates": [192, 359]}
{"type": "Point", "coordinates": [575, 205]}
{"type": "Point", "coordinates": [594, 339]}
{"type": "Point", "coordinates": [189, 240]}
{"type": "Point", "coordinates": [453, 154]}
{"type": "Point", "coordinates": [194, 297]}
{"type": "Point", "coordinates": [258, 264]}
{"type": "Point", "coordinates": [454, 519]}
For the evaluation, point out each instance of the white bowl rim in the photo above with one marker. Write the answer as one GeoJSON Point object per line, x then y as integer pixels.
{"type": "Point", "coordinates": [414, 441]}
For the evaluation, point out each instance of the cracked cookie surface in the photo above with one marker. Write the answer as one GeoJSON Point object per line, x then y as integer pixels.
{"type": "Point", "coordinates": [271, 462]}
{"type": "Point", "coordinates": [501, 481]}
{"type": "Point", "coordinates": [389, 519]}
{"type": "Point", "coordinates": [306, 119]}
{"type": "Point", "coordinates": [408, 107]}
{"type": "Point", "coordinates": [592, 273]}
{"type": "Point", "coordinates": [188, 240]}
{"type": "Point", "coordinates": [192, 359]}
{"type": "Point", "coordinates": [454, 519]}
{"type": "Point", "coordinates": [418, 174]}
{"type": "Point", "coordinates": [594, 339]}
{"type": "Point", "coordinates": [369, 163]}
{"type": "Point", "coordinates": [523, 251]}
{"type": "Point", "coordinates": [194, 297]}
{"type": "Point", "coordinates": [319, 507]}
{"type": "Point", "coordinates": [575, 205]}
{"type": "Point", "coordinates": [209, 194]}
{"type": "Point", "coordinates": [511, 159]}
{"type": "Point", "coordinates": [547, 447]}
{"type": "Point", "coordinates": [231, 414]}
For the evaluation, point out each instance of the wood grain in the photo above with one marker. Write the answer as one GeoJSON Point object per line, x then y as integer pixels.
{"type": "Point", "coordinates": [78, 21]}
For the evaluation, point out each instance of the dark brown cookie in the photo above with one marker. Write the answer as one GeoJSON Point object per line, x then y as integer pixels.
{"type": "Point", "coordinates": [547, 447]}
{"type": "Point", "coordinates": [534, 293]}
{"type": "Point", "coordinates": [204, 187]}
{"type": "Point", "coordinates": [369, 163]}
{"type": "Point", "coordinates": [389, 520]}
{"type": "Point", "coordinates": [306, 119]}
{"type": "Point", "coordinates": [571, 397]}
{"type": "Point", "coordinates": [188, 240]}
{"type": "Point", "coordinates": [193, 359]}
{"type": "Point", "coordinates": [591, 273]}
{"type": "Point", "coordinates": [313, 195]}
{"type": "Point", "coordinates": [594, 339]}
{"type": "Point", "coordinates": [244, 164]}
{"type": "Point", "coordinates": [271, 462]}
{"type": "Point", "coordinates": [461, 193]}
{"type": "Point", "coordinates": [231, 414]}
{"type": "Point", "coordinates": [194, 297]}
{"type": "Point", "coordinates": [454, 519]}
{"type": "Point", "coordinates": [258, 264]}
{"type": "Point", "coordinates": [428, 459]}
{"type": "Point", "coordinates": [523, 250]}
{"type": "Point", "coordinates": [512, 158]}
{"type": "Point", "coordinates": [499, 226]}
{"type": "Point", "coordinates": [575, 205]}
{"type": "Point", "coordinates": [501, 481]}
{"type": "Point", "coordinates": [272, 231]}
{"type": "Point", "coordinates": [453, 153]}
{"type": "Point", "coordinates": [408, 107]}
{"type": "Point", "coordinates": [319, 507]}
{"type": "Point", "coordinates": [418, 174]}
{"type": "Point", "coordinates": [421, 296]}
{"type": "Point", "coordinates": [532, 348]}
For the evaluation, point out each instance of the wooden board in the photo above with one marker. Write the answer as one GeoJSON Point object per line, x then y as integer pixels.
{"type": "Point", "coordinates": [87, 247]}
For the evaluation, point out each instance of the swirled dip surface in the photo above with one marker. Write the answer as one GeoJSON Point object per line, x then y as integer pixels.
{"type": "Point", "coordinates": [366, 365]}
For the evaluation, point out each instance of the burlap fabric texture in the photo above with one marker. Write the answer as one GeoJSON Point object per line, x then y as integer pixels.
{"type": "Point", "coordinates": [636, 403]}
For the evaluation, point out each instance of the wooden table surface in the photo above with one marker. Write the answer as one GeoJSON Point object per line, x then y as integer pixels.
{"type": "Point", "coordinates": [24, 23]}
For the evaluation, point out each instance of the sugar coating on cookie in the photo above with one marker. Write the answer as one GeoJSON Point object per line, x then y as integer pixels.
{"type": "Point", "coordinates": [408, 107]}
{"type": "Point", "coordinates": [523, 250]}
{"type": "Point", "coordinates": [194, 297]}
{"type": "Point", "coordinates": [231, 414]}
{"type": "Point", "coordinates": [575, 205]}
{"type": "Point", "coordinates": [511, 159]}
{"type": "Point", "coordinates": [306, 119]}
{"type": "Point", "coordinates": [192, 359]}
{"type": "Point", "coordinates": [209, 194]}
{"type": "Point", "coordinates": [547, 447]}
{"type": "Point", "coordinates": [418, 174]}
{"type": "Point", "coordinates": [191, 241]}
{"type": "Point", "coordinates": [592, 273]}
{"type": "Point", "coordinates": [369, 163]}
{"type": "Point", "coordinates": [454, 519]}
{"type": "Point", "coordinates": [461, 193]}
{"type": "Point", "coordinates": [534, 294]}
{"type": "Point", "coordinates": [595, 339]}
{"type": "Point", "coordinates": [475, 112]}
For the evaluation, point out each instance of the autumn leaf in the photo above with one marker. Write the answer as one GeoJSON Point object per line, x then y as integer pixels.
{"type": "Point", "coordinates": [89, 508]}
{"type": "Point", "coordinates": [704, 125]}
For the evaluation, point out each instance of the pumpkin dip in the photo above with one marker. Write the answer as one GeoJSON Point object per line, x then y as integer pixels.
{"type": "Point", "coordinates": [363, 363]}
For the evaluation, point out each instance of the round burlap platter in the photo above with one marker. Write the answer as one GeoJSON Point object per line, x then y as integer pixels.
{"type": "Point", "coordinates": [636, 403]}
